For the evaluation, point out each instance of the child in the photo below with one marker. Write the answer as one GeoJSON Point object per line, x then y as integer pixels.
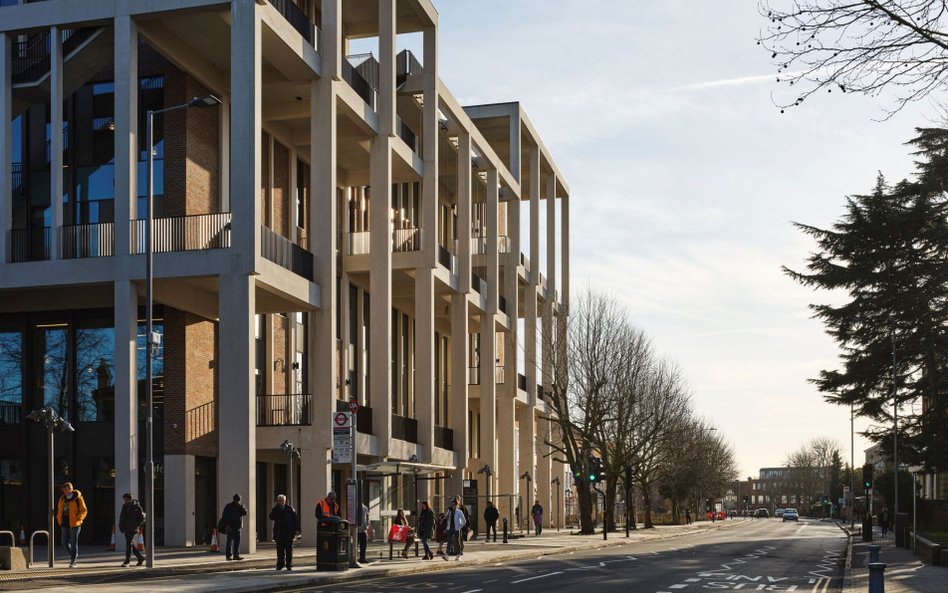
{"type": "Point", "coordinates": [440, 535]}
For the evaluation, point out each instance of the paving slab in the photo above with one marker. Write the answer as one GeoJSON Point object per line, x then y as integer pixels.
{"type": "Point", "coordinates": [904, 572]}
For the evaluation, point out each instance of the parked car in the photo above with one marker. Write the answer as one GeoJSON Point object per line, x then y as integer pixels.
{"type": "Point", "coordinates": [791, 515]}
{"type": "Point", "coordinates": [778, 513]}
{"type": "Point", "coordinates": [762, 514]}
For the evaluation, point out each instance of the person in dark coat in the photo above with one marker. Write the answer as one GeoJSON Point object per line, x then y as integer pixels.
{"type": "Point", "coordinates": [286, 526]}
{"type": "Point", "coordinates": [131, 519]}
{"type": "Point", "coordinates": [491, 514]}
{"type": "Point", "coordinates": [426, 521]}
{"type": "Point", "coordinates": [537, 512]}
{"type": "Point", "coordinates": [233, 519]}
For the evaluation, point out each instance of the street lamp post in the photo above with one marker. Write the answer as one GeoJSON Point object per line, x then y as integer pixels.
{"type": "Point", "coordinates": [852, 469]}
{"type": "Point", "coordinates": [293, 453]}
{"type": "Point", "coordinates": [49, 418]}
{"type": "Point", "coordinates": [488, 472]}
{"type": "Point", "coordinates": [556, 482]}
{"type": "Point", "coordinates": [526, 476]}
{"type": "Point", "coordinates": [153, 340]}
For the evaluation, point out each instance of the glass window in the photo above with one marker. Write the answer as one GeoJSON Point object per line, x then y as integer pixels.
{"type": "Point", "coordinates": [51, 344]}
{"type": "Point", "coordinates": [11, 376]}
{"type": "Point", "coordinates": [95, 373]}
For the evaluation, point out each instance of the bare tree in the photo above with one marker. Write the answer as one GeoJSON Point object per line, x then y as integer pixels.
{"type": "Point", "coordinates": [810, 468]}
{"type": "Point", "coordinates": [858, 46]}
{"type": "Point", "coordinates": [701, 465]}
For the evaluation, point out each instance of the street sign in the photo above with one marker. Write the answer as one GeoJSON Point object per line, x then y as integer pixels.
{"type": "Point", "coordinates": [341, 445]}
{"type": "Point", "coordinates": [353, 406]}
{"type": "Point", "coordinates": [341, 420]}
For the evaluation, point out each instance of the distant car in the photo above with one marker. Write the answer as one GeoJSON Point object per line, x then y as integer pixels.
{"type": "Point", "coordinates": [762, 514]}
{"type": "Point", "coordinates": [778, 513]}
{"type": "Point", "coordinates": [791, 515]}
{"type": "Point", "coordinates": [732, 514]}
{"type": "Point", "coordinates": [720, 515]}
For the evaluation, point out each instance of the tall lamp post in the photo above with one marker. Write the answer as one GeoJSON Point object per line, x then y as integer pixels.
{"type": "Point", "coordinates": [526, 476]}
{"type": "Point", "coordinates": [556, 482]}
{"type": "Point", "coordinates": [488, 472]}
{"type": "Point", "coordinates": [293, 453]}
{"type": "Point", "coordinates": [49, 418]}
{"type": "Point", "coordinates": [152, 339]}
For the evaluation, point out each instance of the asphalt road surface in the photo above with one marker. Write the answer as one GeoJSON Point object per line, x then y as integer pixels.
{"type": "Point", "coordinates": [760, 555]}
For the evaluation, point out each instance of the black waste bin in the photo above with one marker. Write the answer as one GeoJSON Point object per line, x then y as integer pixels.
{"type": "Point", "coordinates": [332, 544]}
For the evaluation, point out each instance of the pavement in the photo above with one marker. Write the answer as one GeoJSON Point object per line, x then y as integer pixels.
{"type": "Point", "coordinates": [904, 572]}
{"type": "Point", "coordinates": [195, 570]}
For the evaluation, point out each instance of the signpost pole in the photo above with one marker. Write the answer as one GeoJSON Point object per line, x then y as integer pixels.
{"type": "Point", "coordinates": [353, 537]}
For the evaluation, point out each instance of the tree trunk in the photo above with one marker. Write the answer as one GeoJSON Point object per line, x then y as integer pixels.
{"type": "Point", "coordinates": [610, 510]}
{"type": "Point", "coordinates": [676, 511]}
{"type": "Point", "coordinates": [585, 508]}
{"type": "Point", "coordinates": [647, 503]}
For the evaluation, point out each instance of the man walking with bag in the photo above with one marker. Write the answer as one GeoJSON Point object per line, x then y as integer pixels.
{"type": "Point", "coordinates": [454, 522]}
{"type": "Point", "coordinates": [233, 520]}
{"type": "Point", "coordinates": [131, 519]}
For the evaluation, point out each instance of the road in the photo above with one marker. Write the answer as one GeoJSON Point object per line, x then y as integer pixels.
{"type": "Point", "coordinates": [760, 555]}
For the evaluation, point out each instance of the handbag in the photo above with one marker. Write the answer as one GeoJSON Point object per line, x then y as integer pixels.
{"type": "Point", "coordinates": [369, 533]}
{"type": "Point", "coordinates": [398, 533]}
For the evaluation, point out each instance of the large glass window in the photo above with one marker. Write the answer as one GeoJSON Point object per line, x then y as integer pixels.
{"type": "Point", "coordinates": [51, 343]}
{"type": "Point", "coordinates": [95, 371]}
{"type": "Point", "coordinates": [11, 375]}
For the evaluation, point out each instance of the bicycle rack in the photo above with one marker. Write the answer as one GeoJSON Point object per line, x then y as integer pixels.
{"type": "Point", "coordinates": [12, 537]}
{"type": "Point", "coordinates": [29, 560]}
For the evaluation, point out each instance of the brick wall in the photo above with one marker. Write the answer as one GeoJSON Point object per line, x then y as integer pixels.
{"type": "Point", "coordinates": [265, 217]}
{"type": "Point", "coordinates": [280, 332]}
{"type": "Point", "coordinates": [282, 218]}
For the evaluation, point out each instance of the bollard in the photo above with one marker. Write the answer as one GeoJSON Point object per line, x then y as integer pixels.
{"type": "Point", "coordinates": [874, 552]}
{"type": "Point", "coordinates": [505, 530]}
{"type": "Point", "coordinates": [876, 577]}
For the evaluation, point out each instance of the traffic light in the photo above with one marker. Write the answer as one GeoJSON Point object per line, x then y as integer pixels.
{"type": "Point", "coordinates": [747, 500]}
{"type": "Point", "coordinates": [595, 469]}
{"type": "Point", "coordinates": [867, 476]}
{"type": "Point", "coordinates": [628, 478]}
{"type": "Point", "coordinates": [578, 471]}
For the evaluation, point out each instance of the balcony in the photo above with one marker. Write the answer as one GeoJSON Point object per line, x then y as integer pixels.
{"type": "Point", "coordinates": [182, 233]}
{"type": "Point", "coordinates": [478, 284]}
{"type": "Point", "coordinates": [521, 382]}
{"type": "Point", "coordinates": [358, 243]}
{"type": "Point", "coordinates": [473, 375]}
{"type": "Point", "coordinates": [503, 305]}
{"type": "Point", "coordinates": [478, 245]}
{"type": "Point", "coordinates": [356, 76]}
{"type": "Point", "coordinates": [284, 410]}
{"type": "Point", "coordinates": [285, 253]}
{"type": "Point", "coordinates": [30, 244]}
{"type": "Point", "coordinates": [404, 428]}
{"type": "Point", "coordinates": [500, 374]}
{"type": "Point", "coordinates": [404, 240]}
{"type": "Point", "coordinates": [87, 240]}
{"type": "Point", "coordinates": [292, 13]}
{"type": "Point", "coordinates": [447, 259]}
{"type": "Point", "coordinates": [444, 438]}
{"type": "Point", "coordinates": [200, 421]}
{"type": "Point", "coordinates": [504, 244]}
{"type": "Point", "coordinates": [363, 417]}
{"type": "Point", "coordinates": [31, 56]}
{"type": "Point", "coordinates": [10, 412]}
{"type": "Point", "coordinates": [407, 135]}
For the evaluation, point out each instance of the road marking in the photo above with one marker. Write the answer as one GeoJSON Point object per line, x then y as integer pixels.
{"type": "Point", "coordinates": [542, 576]}
{"type": "Point", "coordinates": [473, 591]}
{"type": "Point", "coordinates": [692, 580]}
{"type": "Point", "coordinates": [679, 586]}
{"type": "Point", "coordinates": [602, 564]}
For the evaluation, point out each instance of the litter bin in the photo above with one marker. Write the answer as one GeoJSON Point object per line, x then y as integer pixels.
{"type": "Point", "coordinates": [332, 544]}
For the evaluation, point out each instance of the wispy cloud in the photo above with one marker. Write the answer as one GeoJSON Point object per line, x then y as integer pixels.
{"type": "Point", "coordinates": [732, 82]}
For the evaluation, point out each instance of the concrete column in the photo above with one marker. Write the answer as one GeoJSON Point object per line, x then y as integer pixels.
{"type": "Point", "coordinates": [564, 239]}
{"type": "Point", "coordinates": [55, 140]}
{"type": "Point", "coordinates": [547, 344]}
{"type": "Point", "coordinates": [179, 505]}
{"type": "Point", "coordinates": [330, 39]}
{"type": "Point", "coordinates": [543, 476]}
{"type": "Point", "coordinates": [361, 390]}
{"type": "Point", "coordinates": [488, 391]}
{"type": "Point", "coordinates": [493, 259]}
{"type": "Point", "coordinates": [464, 214]}
{"type": "Point", "coordinates": [386, 106]}
{"type": "Point", "coordinates": [430, 133]}
{"type": "Point", "coordinates": [512, 294]}
{"type": "Point", "coordinates": [125, 426]}
{"type": "Point", "coordinates": [237, 444]}
{"type": "Point", "coordinates": [245, 134]}
{"type": "Point", "coordinates": [314, 467]}
{"type": "Point", "coordinates": [505, 474]}
{"type": "Point", "coordinates": [380, 290]}
{"type": "Point", "coordinates": [322, 242]}
{"type": "Point", "coordinates": [126, 130]}
{"type": "Point", "coordinates": [535, 182]}
{"type": "Point", "coordinates": [425, 359]}
{"type": "Point", "coordinates": [457, 404]}
{"type": "Point", "coordinates": [528, 450]}
{"type": "Point", "coordinates": [6, 146]}
{"type": "Point", "coordinates": [223, 111]}
{"type": "Point", "coordinates": [551, 236]}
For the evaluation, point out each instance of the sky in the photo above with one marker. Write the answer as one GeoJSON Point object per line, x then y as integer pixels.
{"type": "Point", "coordinates": [684, 181]}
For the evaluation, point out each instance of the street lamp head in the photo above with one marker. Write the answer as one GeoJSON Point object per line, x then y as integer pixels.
{"type": "Point", "coordinates": [486, 470]}
{"type": "Point", "coordinates": [525, 476]}
{"type": "Point", "coordinates": [413, 459]}
{"type": "Point", "coordinates": [205, 101]}
{"type": "Point", "coordinates": [35, 416]}
{"type": "Point", "coordinates": [65, 426]}
{"type": "Point", "coordinates": [286, 446]}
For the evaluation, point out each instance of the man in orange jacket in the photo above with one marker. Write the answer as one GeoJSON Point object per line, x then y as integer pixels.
{"type": "Point", "coordinates": [327, 507]}
{"type": "Point", "coordinates": [70, 513]}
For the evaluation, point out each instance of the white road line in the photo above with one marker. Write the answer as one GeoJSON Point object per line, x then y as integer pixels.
{"type": "Point", "coordinates": [542, 576]}
{"type": "Point", "coordinates": [473, 591]}
{"type": "Point", "coordinates": [678, 586]}
{"type": "Point", "coordinates": [602, 564]}
{"type": "Point", "coordinates": [692, 580]}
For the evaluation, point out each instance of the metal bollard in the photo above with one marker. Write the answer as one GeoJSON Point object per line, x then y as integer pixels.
{"type": "Point", "coordinates": [505, 530]}
{"type": "Point", "coordinates": [874, 553]}
{"type": "Point", "coordinates": [876, 577]}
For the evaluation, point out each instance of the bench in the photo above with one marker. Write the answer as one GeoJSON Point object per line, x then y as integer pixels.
{"type": "Point", "coordinates": [391, 548]}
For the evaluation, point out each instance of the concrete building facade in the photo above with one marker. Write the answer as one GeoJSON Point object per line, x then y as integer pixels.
{"type": "Point", "coordinates": [339, 229]}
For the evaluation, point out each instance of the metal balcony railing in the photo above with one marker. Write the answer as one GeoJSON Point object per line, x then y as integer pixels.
{"type": "Point", "coordinates": [200, 421]}
{"type": "Point", "coordinates": [31, 56]}
{"type": "Point", "coordinates": [500, 374]}
{"type": "Point", "coordinates": [292, 13]}
{"type": "Point", "coordinates": [87, 240]}
{"type": "Point", "coordinates": [447, 259]}
{"type": "Point", "coordinates": [359, 243]}
{"type": "Point", "coordinates": [285, 253]}
{"type": "Point", "coordinates": [357, 80]}
{"type": "Point", "coordinates": [10, 412]}
{"type": "Point", "coordinates": [502, 304]}
{"type": "Point", "coordinates": [182, 233]}
{"type": "Point", "coordinates": [504, 244]}
{"type": "Point", "coordinates": [478, 245]}
{"type": "Point", "coordinates": [406, 240]}
{"type": "Point", "coordinates": [30, 244]}
{"type": "Point", "coordinates": [473, 375]}
{"type": "Point", "coordinates": [521, 382]}
{"type": "Point", "coordinates": [407, 135]}
{"type": "Point", "coordinates": [404, 428]}
{"type": "Point", "coordinates": [284, 410]}
{"type": "Point", "coordinates": [444, 437]}
{"type": "Point", "coordinates": [478, 284]}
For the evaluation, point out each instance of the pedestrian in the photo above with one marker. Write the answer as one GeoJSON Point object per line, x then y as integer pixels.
{"type": "Point", "coordinates": [233, 521]}
{"type": "Point", "coordinates": [454, 523]}
{"type": "Point", "coordinates": [884, 521]}
{"type": "Point", "coordinates": [131, 520]}
{"type": "Point", "coordinates": [401, 519]}
{"type": "Point", "coordinates": [70, 513]}
{"type": "Point", "coordinates": [363, 525]}
{"type": "Point", "coordinates": [441, 535]}
{"type": "Point", "coordinates": [286, 526]}
{"type": "Point", "coordinates": [426, 520]}
{"type": "Point", "coordinates": [327, 507]}
{"type": "Point", "coordinates": [687, 516]}
{"type": "Point", "coordinates": [468, 526]}
{"type": "Point", "coordinates": [537, 512]}
{"type": "Point", "coordinates": [490, 519]}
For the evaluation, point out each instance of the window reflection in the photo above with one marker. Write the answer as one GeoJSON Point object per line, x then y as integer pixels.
{"type": "Point", "coordinates": [51, 344]}
{"type": "Point", "coordinates": [95, 374]}
{"type": "Point", "coordinates": [11, 377]}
